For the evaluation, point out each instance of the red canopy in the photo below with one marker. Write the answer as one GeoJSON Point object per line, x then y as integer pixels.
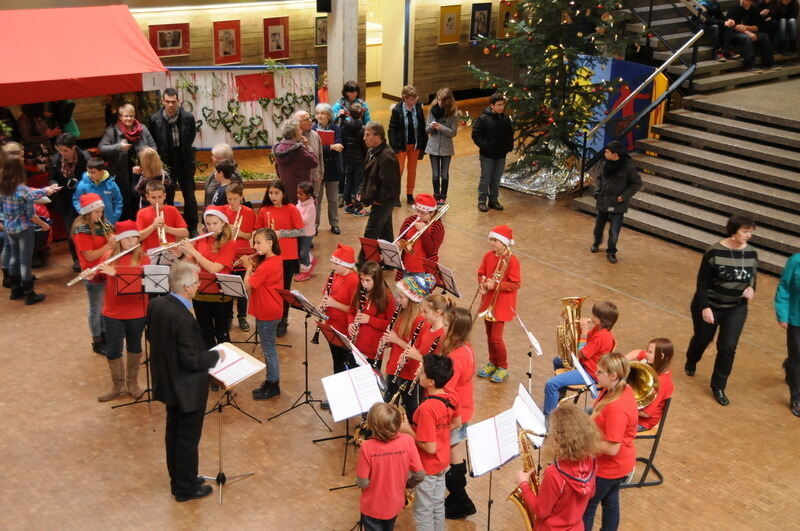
{"type": "Point", "coordinates": [71, 53]}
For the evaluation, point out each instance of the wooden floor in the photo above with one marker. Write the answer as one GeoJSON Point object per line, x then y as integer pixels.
{"type": "Point", "coordinates": [70, 462]}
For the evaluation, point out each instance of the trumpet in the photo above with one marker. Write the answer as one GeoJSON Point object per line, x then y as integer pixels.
{"type": "Point", "coordinates": [161, 230]}
{"type": "Point", "coordinates": [499, 272]}
{"type": "Point", "coordinates": [106, 227]}
{"type": "Point", "coordinates": [239, 261]}
{"type": "Point", "coordinates": [237, 224]}
{"type": "Point", "coordinates": [315, 337]}
{"type": "Point", "coordinates": [86, 273]}
{"type": "Point", "coordinates": [404, 356]}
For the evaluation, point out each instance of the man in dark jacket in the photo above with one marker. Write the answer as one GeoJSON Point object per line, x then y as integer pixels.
{"type": "Point", "coordinates": [381, 187]}
{"type": "Point", "coordinates": [493, 133]}
{"type": "Point", "coordinates": [180, 363]}
{"type": "Point", "coordinates": [174, 130]}
{"type": "Point", "coordinates": [407, 136]}
{"type": "Point", "coordinates": [744, 23]}
{"type": "Point", "coordinates": [616, 185]}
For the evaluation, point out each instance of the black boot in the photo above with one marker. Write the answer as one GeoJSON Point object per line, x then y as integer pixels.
{"type": "Point", "coordinates": [261, 388]}
{"type": "Point", "coordinates": [76, 265]}
{"type": "Point", "coordinates": [283, 326]}
{"type": "Point", "coordinates": [16, 288]}
{"type": "Point", "coordinates": [31, 297]}
{"type": "Point", "coordinates": [6, 279]}
{"type": "Point", "coordinates": [98, 345]}
{"type": "Point", "coordinates": [272, 389]}
{"type": "Point", "coordinates": [458, 505]}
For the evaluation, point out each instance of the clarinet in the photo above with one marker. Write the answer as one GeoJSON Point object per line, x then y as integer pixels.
{"type": "Point", "coordinates": [315, 338]}
{"type": "Point", "coordinates": [382, 343]}
{"type": "Point", "coordinates": [362, 300]}
{"type": "Point", "coordinates": [419, 371]}
{"type": "Point", "coordinates": [404, 357]}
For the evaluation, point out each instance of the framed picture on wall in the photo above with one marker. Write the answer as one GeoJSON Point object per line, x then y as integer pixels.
{"type": "Point", "coordinates": [321, 31]}
{"type": "Point", "coordinates": [504, 17]}
{"type": "Point", "coordinates": [227, 37]}
{"type": "Point", "coordinates": [276, 38]}
{"type": "Point", "coordinates": [170, 40]}
{"type": "Point", "coordinates": [449, 24]}
{"type": "Point", "coordinates": [479, 22]}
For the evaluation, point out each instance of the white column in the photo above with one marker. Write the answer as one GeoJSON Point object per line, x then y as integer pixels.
{"type": "Point", "coordinates": [342, 47]}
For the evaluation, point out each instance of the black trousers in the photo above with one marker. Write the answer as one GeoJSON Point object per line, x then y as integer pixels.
{"type": "Point", "coordinates": [730, 323]}
{"type": "Point", "coordinates": [615, 226]}
{"type": "Point", "coordinates": [182, 439]}
{"type": "Point", "coordinates": [215, 321]}
{"type": "Point", "coordinates": [342, 359]}
{"type": "Point", "coordinates": [290, 268]}
{"type": "Point", "coordinates": [792, 363]}
{"type": "Point", "coordinates": [369, 523]}
{"type": "Point", "coordinates": [186, 182]}
{"type": "Point", "coordinates": [410, 401]}
{"type": "Point", "coordinates": [379, 225]}
{"type": "Point", "coordinates": [606, 494]}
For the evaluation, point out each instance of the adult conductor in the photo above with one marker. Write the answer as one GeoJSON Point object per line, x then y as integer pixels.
{"type": "Point", "coordinates": [180, 364]}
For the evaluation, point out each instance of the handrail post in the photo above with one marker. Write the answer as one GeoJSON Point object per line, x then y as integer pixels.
{"type": "Point", "coordinates": [649, 21]}
{"type": "Point", "coordinates": [583, 159]}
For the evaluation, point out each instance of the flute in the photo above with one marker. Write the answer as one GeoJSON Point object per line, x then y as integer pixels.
{"type": "Point", "coordinates": [86, 273]}
{"type": "Point", "coordinates": [404, 356]}
{"type": "Point", "coordinates": [415, 381]}
{"type": "Point", "coordinates": [239, 260]}
{"type": "Point", "coordinates": [315, 337]}
{"type": "Point", "coordinates": [175, 244]}
{"type": "Point", "coordinates": [382, 343]}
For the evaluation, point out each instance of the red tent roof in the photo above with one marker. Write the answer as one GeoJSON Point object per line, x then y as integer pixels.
{"type": "Point", "coordinates": [72, 53]}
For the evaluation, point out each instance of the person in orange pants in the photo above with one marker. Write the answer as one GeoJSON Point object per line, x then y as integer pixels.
{"type": "Point", "coordinates": [407, 136]}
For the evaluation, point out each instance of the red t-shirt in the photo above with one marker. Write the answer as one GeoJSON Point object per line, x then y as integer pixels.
{"type": "Point", "coordinates": [656, 407]}
{"type": "Point", "coordinates": [563, 495]}
{"type": "Point", "coordinates": [432, 420]}
{"type": "Point", "coordinates": [265, 302]}
{"type": "Point", "coordinates": [642, 355]}
{"type": "Point", "coordinates": [410, 368]}
{"type": "Point", "coordinates": [124, 306]}
{"type": "Point", "coordinates": [386, 465]}
{"type": "Point", "coordinates": [247, 226]}
{"type": "Point", "coordinates": [617, 422]}
{"type": "Point", "coordinates": [225, 256]}
{"type": "Point", "coordinates": [426, 246]}
{"type": "Point", "coordinates": [506, 305]}
{"type": "Point", "coordinates": [286, 217]}
{"type": "Point", "coordinates": [88, 242]}
{"type": "Point", "coordinates": [599, 342]}
{"type": "Point", "coordinates": [343, 289]}
{"type": "Point", "coordinates": [461, 383]}
{"type": "Point", "coordinates": [369, 333]}
{"type": "Point", "coordinates": [145, 218]}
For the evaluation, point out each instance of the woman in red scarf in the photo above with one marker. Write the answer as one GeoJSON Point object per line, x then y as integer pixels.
{"type": "Point", "coordinates": [120, 145]}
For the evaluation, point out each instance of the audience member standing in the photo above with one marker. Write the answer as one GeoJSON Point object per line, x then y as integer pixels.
{"type": "Point", "coordinates": [354, 154]}
{"type": "Point", "coordinates": [351, 93]}
{"type": "Point", "coordinates": [173, 130]}
{"type": "Point", "coordinates": [34, 132]}
{"type": "Point", "coordinates": [493, 133]}
{"type": "Point", "coordinates": [441, 126]}
{"type": "Point", "coordinates": [67, 167]}
{"type": "Point", "coordinates": [332, 164]}
{"type": "Point", "coordinates": [312, 140]}
{"type": "Point", "coordinates": [294, 159]}
{"type": "Point", "coordinates": [787, 310]}
{"type": "Point", "coordinates": [407, 137]}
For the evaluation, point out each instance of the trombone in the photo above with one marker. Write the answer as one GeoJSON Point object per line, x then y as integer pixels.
{"type": "Point", "coordinates": [408, 245]}
{"type": "Point", "coordinates": [499, 272]}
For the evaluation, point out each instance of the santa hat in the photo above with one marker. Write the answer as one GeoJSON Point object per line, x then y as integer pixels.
{"type": "Point", "coordinates": [502, 233]}
{"type": "Point", "coordinates": [90, 203]}
{"type": "Point", "coordinates": [344, 256]}
{"type": "Point", "coordinates": [424, 203]}
{"type": "Point", "coordinates": [126, 229]}
{"type": "Point", "coordinates": [417, 287]}
{"type": "Point", "coordinates": [214, 212]}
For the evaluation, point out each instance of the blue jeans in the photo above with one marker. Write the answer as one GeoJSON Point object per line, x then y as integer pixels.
{"type": "Point", "coordinates": [615, 226]}
{"type": "Point", "coordinates": [95, 291]}
{"type": "Point", "coordinates": [735, 38]}
{"type": "Point", "coordinates": [304, 250]}
{"type": "Point", "coordinates": [606, 493]}
{"type": "Point", "coordinates": [787, 32]}
{"type": "Point", "coordinates": [267, 334]}
{"type": "Point", "coordinates": [20, 254]}
{"type": "Point", "coordinates": [118, 331]}
{"type": "Point", "coordinates": [554, 384]}
{"type": "Point", "coordinates": [353, 176]}
{"type": "Point", "coordinates": [440, 171]}
{"type": "Point", "coordinates": [489, 185]}
{"type": "Point", "coordinates": [5, 256]}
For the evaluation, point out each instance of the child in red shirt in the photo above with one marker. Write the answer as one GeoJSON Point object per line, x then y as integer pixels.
{"type": "Point", "coordinates": [123, 316]}
{"type": "Point", "coordinates": [243, 221]}
{"type": "Point", "coordinates": [427, 245]}
{"type": "Point", "coordinates": [659, 355]}
{"type": "Point", "coordinates": [433, 309]}
{"type": "Point", "coordinates": [264, 277]}
{"type": "Point", "coordinates": [433, 421]}
{"type": "Point", "coordinates": [595, 341]}
{"type": "Point", "coordinates": [388, 463]}
{"type": "Point", "coordinates": [615, 414]}
{"type": "Point", "coordinates": [499, 279]}
{"type": "Point", "coordinates": [569, 482]}
{"type": "Point", "coordinates": [344, 285]}
{"type": "Point", "coordinates": [168, 217]}
{"type": "Point", "coordinates": [370, 312]}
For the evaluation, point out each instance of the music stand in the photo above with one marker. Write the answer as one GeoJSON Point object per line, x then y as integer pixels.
{"type": "Point", "coordinates": [297, 301]}
{"type": "Point", "coordinates": [332, 336]}
{"type": "Point", "coordinates": [391, 255]}
{"type": "Point", "coordinates": [371, 250]}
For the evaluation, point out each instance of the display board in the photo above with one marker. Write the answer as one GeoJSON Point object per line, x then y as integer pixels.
{"type": "Point", "coordinates": [242, 106]}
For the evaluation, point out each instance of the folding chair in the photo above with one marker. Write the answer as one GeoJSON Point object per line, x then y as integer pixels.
{"type": "Point", "coordinates": [578, 389]}
{"type": "Point", "coordinates": [655, 435]}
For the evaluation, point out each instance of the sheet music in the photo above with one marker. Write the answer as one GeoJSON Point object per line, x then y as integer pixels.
{"type": "Point", "coordinates": [156, 278]}
{"type": "Point", "coordinates": [308, 307]}
{"type": "Point", "coordinates": [232, 285]}
{"type": "Point", "coordinates": [351, 392]}
{"type": "Point", "coordinates": [361, 359]}
{"type": "Point", "coordinates": [537, 348]}
{"type": "Point", "coordinates": [529, 416]}
{"type": "Point", "coordinates": [492, 442]}
{"type": "Point", "coordinates": [237, 365]}
{"type": "Point", "coordinates": [159, 256]}
{"type": "Point", "coordinates": [390, 253]}
{"type": "Point", "coordinates": [585, 375]}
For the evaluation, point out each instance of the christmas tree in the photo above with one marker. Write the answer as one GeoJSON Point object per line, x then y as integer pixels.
{"type": "Point", "coordinates": [555, 46]}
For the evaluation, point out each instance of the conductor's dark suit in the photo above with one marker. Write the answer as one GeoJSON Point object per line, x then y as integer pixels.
{"type": "Point", "coordinates": [180, 363]}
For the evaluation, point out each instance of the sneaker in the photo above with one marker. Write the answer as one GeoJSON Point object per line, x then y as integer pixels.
{"type": "Point", "coordinates": [595, 248]}
{"type": "Point", "coordinates": [442, 200]}
{"type": "Point", "coordinates": [795, 407]}
{"type": "Point", "coordinates": [341, 201]}
{"type": "Point", "coordinates": [361, 213]}
{"type": "Point", "coordinates": [301, 277]}
{"type": "Point", "coordinates": [272, 389]}
{"type": "Point", "coordinates": [500, 375]}
{"type": "Point", "coordinates": [720, 56]}
{"type": "Point", "coordinates": [244, 326]}
{"type": "Point", "coordinates": [487, 370]}
{"type": "Point", "coordinates": [495, 205]}
{"type": "Point", "coordinates": [349, 209]}
{"type": "Point", "coordinates": [612, 258]}
{"type": "Point", "coordinates": [482, 207]}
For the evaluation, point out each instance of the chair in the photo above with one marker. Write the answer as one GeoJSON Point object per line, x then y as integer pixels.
{"type": "Point", "coordinates": [578, 389]}
{"type": "Point", "coordinates": [655, 435]}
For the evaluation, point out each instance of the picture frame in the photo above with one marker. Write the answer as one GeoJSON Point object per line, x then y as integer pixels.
{"type": "Point", "coordinates": [479, 23]}
{"type": "Point", "coordinates": [450, 24]}
{"type": "Point", "coordinates": [227, 39]}
{"type": "Point", "coordinates": [170, 40]}
{"type": "Point", "coordinates": [506, 12]}
{"type": "Point", "coordinates": [276, 38]}
{"type": "Point", "coordinates": [321, 31]}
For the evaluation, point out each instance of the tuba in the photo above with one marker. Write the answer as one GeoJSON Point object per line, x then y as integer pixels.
{"type": "Point", "coordinates": [499, 272]}
{"type": "Point", "coordinates": [644, 381]}
{"type": "Point", "coordinates": [568, 331]}
{"type": "Point", "coordinates": [528, 463]}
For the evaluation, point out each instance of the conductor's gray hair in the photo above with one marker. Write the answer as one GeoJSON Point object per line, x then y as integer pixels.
{"type": "Point", "coordinates": [290, 129]}
{"type": "Point", "coordinates": [182, 275]}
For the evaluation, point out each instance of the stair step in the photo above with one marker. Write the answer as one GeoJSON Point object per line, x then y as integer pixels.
{"type": "Point", "coordinates": [703, 53]}
{"type": "Point", "coordinates": [670, 25]}
{"type": "Point", "coordinates": [709, 159]}
{"type": "Point", "coordinates": [719, 182]}
{"type": "Point", "coordinates": [717, 124]}
{"type": "Point", "coordinates": [708, 66]}
{"type": "Point", "coordinates": [676, 40]}
{"type": "Point", "coordinates": [704, 139]}
{"type": "Point", "coordinates": [706, 103]}
{"type": "Point", "coordinates": [737, 79]}
{"type": "Point", "coordinates": [678, 232]}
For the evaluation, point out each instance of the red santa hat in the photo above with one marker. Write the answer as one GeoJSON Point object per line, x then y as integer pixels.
{"type": "Point", "coordinates": [126, 229]}
{"type": "Point", "coordinates": [424, 203]}
{"type": "Point", "coordinates": [214, 212]}
{"type": "Point", "coordinates": [502, 233]}
{"type": "Point", "coordinates": [344, 256]}
{"type": "Point", "coordinates": [90, 203]}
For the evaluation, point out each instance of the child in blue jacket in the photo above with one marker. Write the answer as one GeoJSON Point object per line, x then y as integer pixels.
{"type": "Point", "coordinates": [96, 180]}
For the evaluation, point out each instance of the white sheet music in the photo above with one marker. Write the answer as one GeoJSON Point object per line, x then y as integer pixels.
{"type": "Point", "coordinates": [156, 278]}
{"type": "Point", "coordinates": [351, 392]}
{"type": "Point", "coordinates": [492, 442]}
{"type": "Point", "coordinates": [308, 306]}
{"type": "Point", "coordinates": [585, 375]}
{"type": "Point", "coordinates": [231, 285]}
{"type": "Point", "coordinates": [361, 359]}
{"type": "Point", "coordinates": [237, 365]}
{"type": "Point", "coordinates": [528, 415]}
{"type": "Point", "coordinates": [159, 256]}
{"type": "Point", "coordinates": [391, 254]}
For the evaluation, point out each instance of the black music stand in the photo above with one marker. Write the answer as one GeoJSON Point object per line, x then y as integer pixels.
{"type": "Point", "coordinates": [371, 250]}
{"type": "Point", "coordinates": [298, 302]}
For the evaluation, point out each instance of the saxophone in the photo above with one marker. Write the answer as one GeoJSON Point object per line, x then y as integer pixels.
{"type": "Point", "coordinates": [528, 463]}
{"type": "Point", "coordinates": [568, 331]}
{"type": "Point", "coordinates": [404, 357]}
{"type": "Point", "coordinates": [315, 337]}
